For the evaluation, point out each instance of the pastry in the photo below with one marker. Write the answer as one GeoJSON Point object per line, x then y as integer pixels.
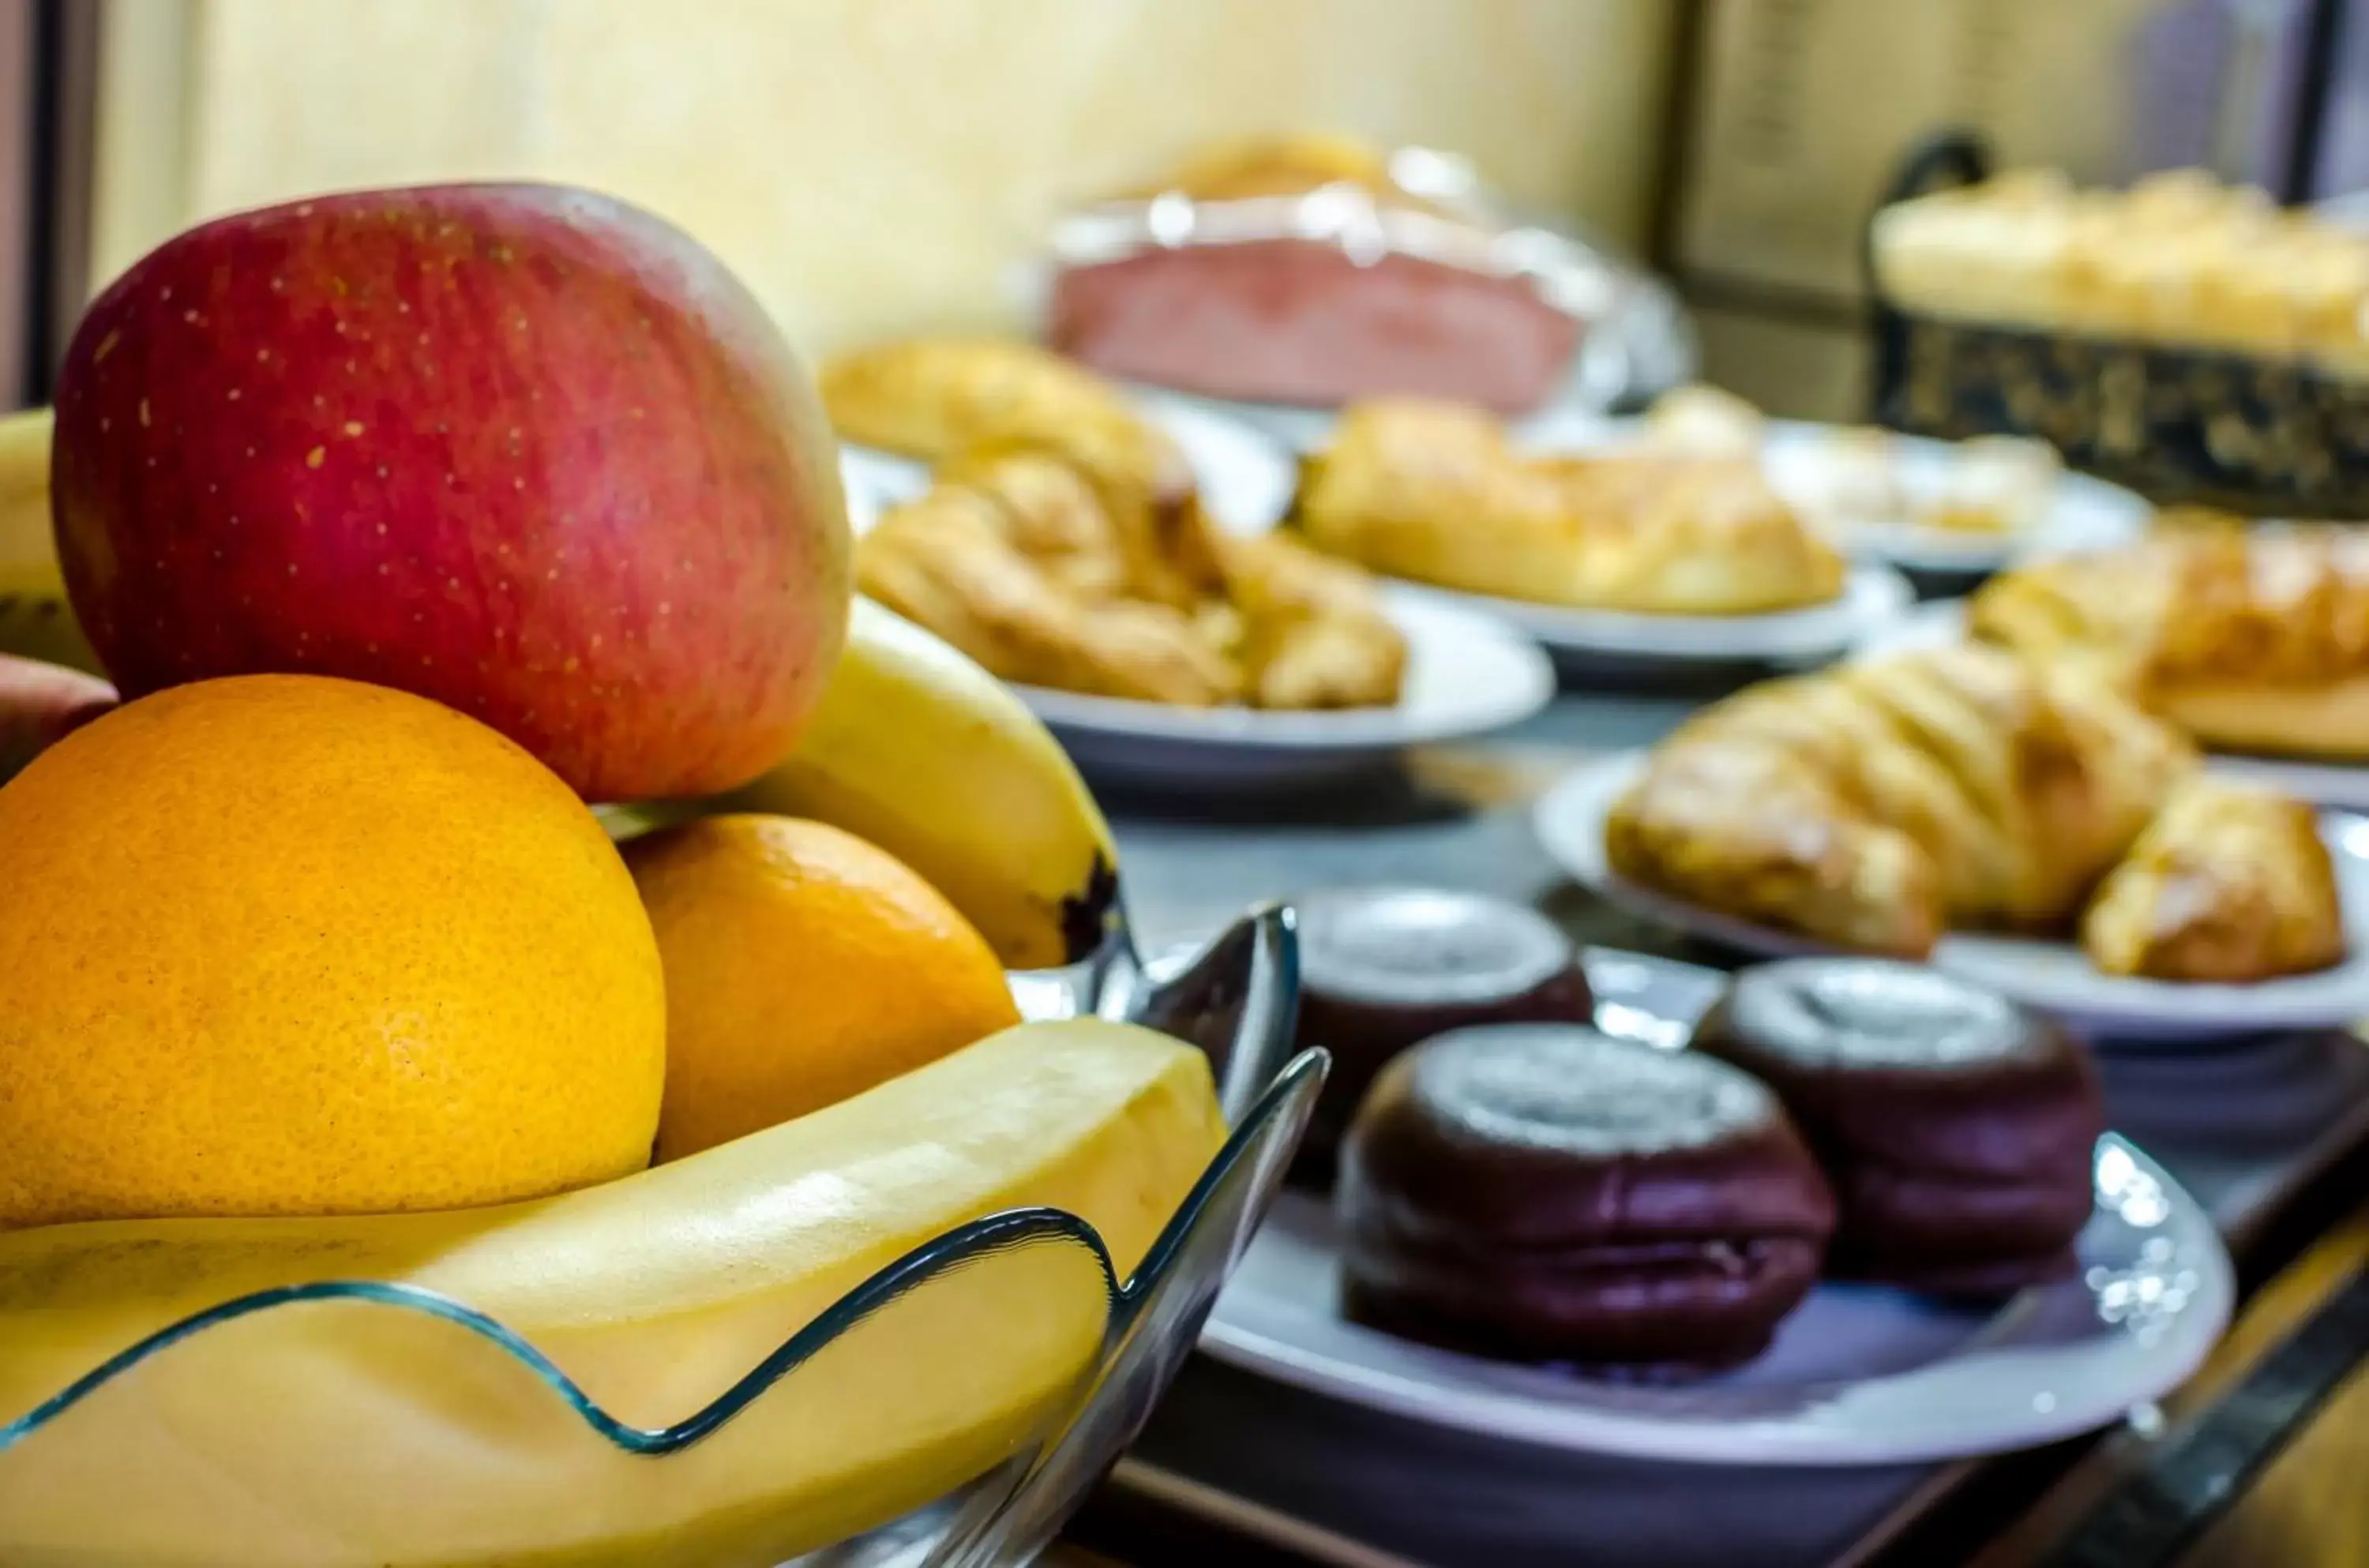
{"type": "Point", "coordinates": [1543, 1193]}
{"type": "Point", "coordinates": [2179, 258]}
{"type": "Point", "coordinates": [2250, 641]}
{"type": "Point", "coordinates": [2227, 884]}
{"type": "Point", "coordinates": [1312, 633]}
{"type": "Point", "coordinates": [1705, 421]}
{"type": "Point", "coordinates": [1993, 485]}
{"type": "Point", "coordinates": [1019, 558]}
{"type": "Point", "coordinates": [1382, 969]}
{"type": "Point", "coordinates": [1849, 479]}
{"type": "Point", "coordinates": [1433, 492]}
{"type": "Point", "coordinates": [945, 562]}
{"type": "Point", "coordinates": [1957, 1130]}
{"type": "Point", "coordinates": [935, 398]}
{"type": "Point", "coordinates": [1871, 805]}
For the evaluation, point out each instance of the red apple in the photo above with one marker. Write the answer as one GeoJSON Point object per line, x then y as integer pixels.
{"type": "Point", "coordinates": [521, 449]}
{"type": "Point", "coordinates": [39, 704]}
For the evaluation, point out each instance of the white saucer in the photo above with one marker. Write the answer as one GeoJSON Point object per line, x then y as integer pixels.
{"type": "Point", "coordinates": [1246, 480]}
{"type": "Point", "coordinates": [1858, 1376]}
{"type": "Point", "coordinates": [2053, 977]}
{"type": "Point", "coordinates": [1872, 596]}
{"type": "Point", "coordinates": [1466, 675]}
{"type": "Point", "coordinates": [1941, 621]}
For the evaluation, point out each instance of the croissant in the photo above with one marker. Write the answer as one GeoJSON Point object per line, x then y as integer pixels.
{"type": "Point", "coordinates": [1873, 805]}
{"type": "Point", "coordinates": [1433, 492]}
{"type": "Point", "coordinates": [2228, 884]}
{"type": "Point", "coordinates": [946, 562]}
{"type": "Point", "coordinates": [1313, 633]}
{"type": "Point", "coordinates": [935, 398]}
{"type": "Point", "coordinates": [2250, 640]}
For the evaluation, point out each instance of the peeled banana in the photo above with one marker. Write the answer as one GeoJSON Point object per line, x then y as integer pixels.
{"type": "Point", "coordinates": [922, 752]}
{"type": "Point", "coordinates": [329, 1434]}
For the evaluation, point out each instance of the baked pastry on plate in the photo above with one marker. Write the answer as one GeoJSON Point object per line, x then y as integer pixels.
{"type": "Point", "coordinates": [935, 398]}
{"type": "Point", "coordinates": [2250, 640]}
{"type": "Point", "coordinates": [1026, 564]}
{"type": "Point", "coordinates": [1875, 804]}
{"type": "Point", "coordinates": [1435, 493]}
{"type": "Point", "coordinates": [2228, 884]}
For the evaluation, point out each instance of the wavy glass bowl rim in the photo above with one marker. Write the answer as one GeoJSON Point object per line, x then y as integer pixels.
{"type": "Point", "coordinates": [1113, 981]}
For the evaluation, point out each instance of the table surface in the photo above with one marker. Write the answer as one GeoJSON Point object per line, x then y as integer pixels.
{"type": "Point", "coordinates": [1459, 817]}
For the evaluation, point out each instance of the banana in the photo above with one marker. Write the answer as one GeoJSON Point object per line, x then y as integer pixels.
{"type": "Point", "coordinates": [922, 752]}
{"type": "Point", "coordinates": [327, 1434]}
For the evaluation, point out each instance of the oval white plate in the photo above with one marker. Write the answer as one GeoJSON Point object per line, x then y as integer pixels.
{"type": "Point", "coordinates": [2053, 977]}
{"type": "Point", "coordinates": [1942, 622]}
{"type": "Point", "coordinates": [1872, 596]}
{"type": "Point", "coordinates": [1466, 675]}
{"type": "Point", "coordinates": [1858, 1375]}
{"type": "Point", "coordinates": [1247, 479]}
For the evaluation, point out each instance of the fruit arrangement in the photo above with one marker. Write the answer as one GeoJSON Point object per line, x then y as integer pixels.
{"type": "Point", "coordinates": [436, 541]}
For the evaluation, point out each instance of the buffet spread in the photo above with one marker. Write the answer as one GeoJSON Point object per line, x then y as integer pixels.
{"type": "Point", "coordinates": [566, 994]}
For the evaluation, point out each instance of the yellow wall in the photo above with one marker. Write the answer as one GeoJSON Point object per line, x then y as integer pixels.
{"type": "Point", "coordinates": [865, 164]}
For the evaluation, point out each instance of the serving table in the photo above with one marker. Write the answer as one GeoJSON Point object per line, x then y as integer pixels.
{"type": "Point", "coordinates": [2258, 1460]}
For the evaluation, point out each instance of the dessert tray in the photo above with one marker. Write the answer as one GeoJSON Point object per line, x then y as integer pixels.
{"type": "Point", "coordinates": [1858, 1375]}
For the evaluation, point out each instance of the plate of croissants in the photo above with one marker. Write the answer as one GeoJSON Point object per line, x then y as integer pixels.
{"type": "Point", "coordinates": [2252, 639]}
{"type": "Point", "coordinates": [1944, 509]}
{"type": "Point", "coordinates": [2015, 822]}
{"type": "Point", "coordinates": [1621, 555]}
{"type": "Point", "coordinates": [1067, 536]}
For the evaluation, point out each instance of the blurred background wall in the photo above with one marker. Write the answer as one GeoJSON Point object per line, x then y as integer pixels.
{"type": "Point", "coordinates": [866, 164]}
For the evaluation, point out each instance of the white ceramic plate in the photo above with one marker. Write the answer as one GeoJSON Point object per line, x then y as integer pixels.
{"type": "Point", "coordinates": [1944, 621]}
{"type": "Point", "coordinates": [1466, 675]}
{"type": "Point", "coordinates": [1858, 1375]}
{"type": "Point", "coordinates": [1872, 596]}
{"type": "Point", "coordinates": [1247, 479]}
{"type": "Point", "coordinates": [2084, 513]}
{"type": "Point", "coordinates": [2053, 977]}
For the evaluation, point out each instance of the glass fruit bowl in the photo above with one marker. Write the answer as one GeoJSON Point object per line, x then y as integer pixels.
{"type": "Point", "coordinates": [144, 1459]}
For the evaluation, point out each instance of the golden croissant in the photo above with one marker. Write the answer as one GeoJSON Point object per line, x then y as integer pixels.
{"type": "Point", "coordinates": [1874, 805]}
{"type": "Point", "coordinates": [1014, 557]}
{"type": "Point", "coordinates": [936, 398]}
{"type": "Point", "coordinates": [945, 562]}
{"type": "Point", "coordinates": [2250, 641]}
{"type": "Point", "coordinates": [2228, 884]}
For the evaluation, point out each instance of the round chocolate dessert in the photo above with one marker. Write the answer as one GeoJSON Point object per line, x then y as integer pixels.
{"type": "Point", "coordinates": [1545, 1193]}
{"type": "Point", "coordinates": [1382, 969]}
{"type": "Point", "coordinates": [1956, 1129]}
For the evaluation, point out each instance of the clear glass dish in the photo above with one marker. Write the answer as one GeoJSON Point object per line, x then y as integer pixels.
{"type": "Point", "coordinates": [558, 1478]}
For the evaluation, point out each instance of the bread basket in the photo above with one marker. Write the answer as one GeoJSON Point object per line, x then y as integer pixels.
{"type": "Point", "coordinates": [2283, 434]}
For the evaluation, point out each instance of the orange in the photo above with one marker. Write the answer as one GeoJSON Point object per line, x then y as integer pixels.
{"type": "Point", "coordinates": [803, 965]}
{"type": "Point", "coordinates": [284, 945]}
